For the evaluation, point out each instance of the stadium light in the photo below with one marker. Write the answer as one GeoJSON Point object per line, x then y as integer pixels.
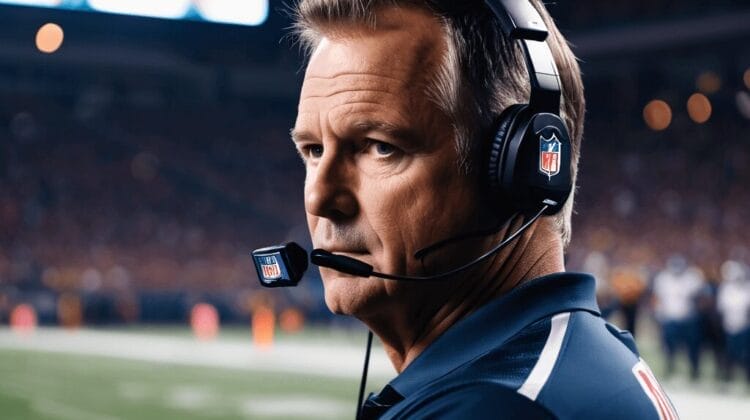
{"type": "Point", "coordinates": [657, 114]}
{"type": "Point", "coordinates": [743, 103]}
{"type": "Point", "coordinates": [40, 3]}
{"type": "Point", "coordinates": [699, 108]}
{"type": "Point", "coordinates": [49, 38]}
{"type": "Point", "coordinates": [248, 12]}
{"type": "Point", "coordinates": [708, 82]}
{"type": "Point", "coordinates": [170, 9]}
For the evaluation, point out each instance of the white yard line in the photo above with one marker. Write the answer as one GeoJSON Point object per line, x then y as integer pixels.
{"type": "Point", "coordinates": [340, 360]}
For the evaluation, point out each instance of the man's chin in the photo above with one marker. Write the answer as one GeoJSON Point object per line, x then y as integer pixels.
{"type": "Point", "coordinates": [349, 295]}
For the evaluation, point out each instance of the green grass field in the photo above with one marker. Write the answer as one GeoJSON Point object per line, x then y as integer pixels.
{"type": "Point", "coordinates": [97, 374]}
{"type": "Point", "coordinates": [48, 385]}
{"type": "Point", "coordinates": [40, 382]}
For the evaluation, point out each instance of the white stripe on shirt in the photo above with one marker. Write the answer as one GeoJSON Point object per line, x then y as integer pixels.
{"type": "Point", "coordinates": [543, 368]}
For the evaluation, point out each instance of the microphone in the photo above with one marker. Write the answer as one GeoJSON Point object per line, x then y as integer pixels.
{"type": "Point", "coordinates": [280, 266]}
{"type": "Point", "coordinates": [283, 266]}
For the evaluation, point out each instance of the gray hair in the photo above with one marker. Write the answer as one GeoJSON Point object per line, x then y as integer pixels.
{"type": "Point", "coordinates": [481, 74]}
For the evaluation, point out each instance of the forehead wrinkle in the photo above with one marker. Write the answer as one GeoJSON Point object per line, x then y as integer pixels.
{"type": "Point", "coordinates": [349, 96]}
{"type": "Point", "coordinates": [345, 90]}
{"type": "Point", "coordinates": [317, 86]}
{"type": "Point", "coordinates": [351, 73]}
{"type": "Point", "coordinates": [353, 119]}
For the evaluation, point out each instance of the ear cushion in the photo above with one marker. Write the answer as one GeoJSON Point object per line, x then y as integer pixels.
{"type": "Point", "coordinates": [497, 149]}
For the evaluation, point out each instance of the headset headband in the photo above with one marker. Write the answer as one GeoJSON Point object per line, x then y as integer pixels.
{"type": "Point", "coordinates": [519, 20]}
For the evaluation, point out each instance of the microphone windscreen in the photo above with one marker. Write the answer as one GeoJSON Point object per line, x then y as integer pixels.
{"type": "Point", "coordinates": [281, 265]}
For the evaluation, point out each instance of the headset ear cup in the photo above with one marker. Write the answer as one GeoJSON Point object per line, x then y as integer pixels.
{"type": "Point", "coordinates": [497, 151]}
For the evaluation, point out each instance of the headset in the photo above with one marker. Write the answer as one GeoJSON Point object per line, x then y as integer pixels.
{"type": "Point", "coordinates": [528, 167]}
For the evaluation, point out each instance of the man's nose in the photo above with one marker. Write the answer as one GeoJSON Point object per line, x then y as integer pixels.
{"type": "Point", "coordinates": [329, 189]}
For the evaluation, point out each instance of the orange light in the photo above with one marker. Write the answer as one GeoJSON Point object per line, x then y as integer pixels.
{"type": "Point", "coordinates": [699, 108]}
{"type": "Point", "coordinates": [708, 82]}
{"type": "Point", "coordinates": [263, 327]}
{"type": "Point", "coordinates": [291, 321]}
{"type": "Point", "coordinates": [657, 114]}
{"type": "Point", "coordinates": [746, 78]}
{"type": "Point", "coordinates": [204, 320]}
{"type": "Point", "coordinates": [49, 38]}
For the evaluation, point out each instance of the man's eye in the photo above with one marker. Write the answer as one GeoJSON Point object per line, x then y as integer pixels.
{"type": "Point", "coordinates": [314, 150]}
{"type": "Point", "coordinates": [383, 149]}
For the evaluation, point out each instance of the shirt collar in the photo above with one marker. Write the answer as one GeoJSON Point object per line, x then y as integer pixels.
{"type": "Point", "coordinates": [493, 324]}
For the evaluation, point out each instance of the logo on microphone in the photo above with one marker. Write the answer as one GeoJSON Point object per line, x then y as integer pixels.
{"type": "Point", "coordinates": [549, 155]}
{"type": "Point", "coordinates": [270, 267]}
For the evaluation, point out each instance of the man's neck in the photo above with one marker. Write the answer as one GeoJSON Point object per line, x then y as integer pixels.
{"type": "Point", "coordinates": [407, 331]}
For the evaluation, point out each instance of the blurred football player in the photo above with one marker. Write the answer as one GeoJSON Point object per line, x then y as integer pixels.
{"type": "Point", "coordinates": [676, 291]}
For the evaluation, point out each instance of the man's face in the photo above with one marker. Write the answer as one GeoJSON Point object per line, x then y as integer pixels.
{"type": "Point", "coordinates": [382, 176]}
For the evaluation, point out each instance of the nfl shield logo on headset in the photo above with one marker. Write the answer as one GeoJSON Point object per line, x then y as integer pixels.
{"type": "Point", "coordinates": [270, 267]}
{"type": "Point", "coordinates": [549, 155]}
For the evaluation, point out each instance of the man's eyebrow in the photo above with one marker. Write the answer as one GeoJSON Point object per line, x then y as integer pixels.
{"type": "Point", "coordinates": [392, 130]}
{"type": "Point", "coordinates": [301, 135]}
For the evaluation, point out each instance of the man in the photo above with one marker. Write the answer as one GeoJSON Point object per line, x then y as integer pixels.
{"type": "Point", "coordinates": [397, 105]}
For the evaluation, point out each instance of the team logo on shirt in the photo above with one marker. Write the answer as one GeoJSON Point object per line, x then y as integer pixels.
{"type": "Point", "coordinates": [270, 267]}
{"type": "Point", "coordinates": [653, 390]}
{"type": "Point", "coordinates": [549, 155]}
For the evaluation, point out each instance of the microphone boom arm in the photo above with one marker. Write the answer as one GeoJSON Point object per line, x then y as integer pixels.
{"type": "Point", "coordinates": [353, 266]}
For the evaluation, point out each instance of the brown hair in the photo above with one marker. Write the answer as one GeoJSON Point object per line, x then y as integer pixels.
{"type": "Point", "coordinates": [481, 74]}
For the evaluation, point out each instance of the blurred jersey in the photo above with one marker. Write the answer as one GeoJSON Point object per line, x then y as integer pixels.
{"type": "Point", "coordinates": [676, 293]}
{"type": "Point", "coordinates": [628, 284]}
{"type": "Point", "coordinates": [733, 301]}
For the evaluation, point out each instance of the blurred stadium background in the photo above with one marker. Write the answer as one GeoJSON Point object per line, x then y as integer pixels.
{"type": "Point", "coordinates": [143, 157]}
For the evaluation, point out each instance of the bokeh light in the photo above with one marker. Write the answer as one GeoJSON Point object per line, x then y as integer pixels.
{"type": "Point", "coordinates": [743, 103]}
{"type": "Point", "coordinates": [699, 108]}
{"type": "Point", "coordinates": [657, 114]}
{"type": "Point", "coordinates": [746, 78]}
{"type": "Point", "coordinates": [708, 82]}
{"type": "Point", "coordinates": [49, 38]}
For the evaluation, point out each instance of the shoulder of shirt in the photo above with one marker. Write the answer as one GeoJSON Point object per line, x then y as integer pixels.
{"type": "Point", "coordinates": [591, 377]}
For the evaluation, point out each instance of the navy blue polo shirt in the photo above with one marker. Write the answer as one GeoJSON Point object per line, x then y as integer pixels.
{"type": "Point", "coordinates": [541, 351]}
